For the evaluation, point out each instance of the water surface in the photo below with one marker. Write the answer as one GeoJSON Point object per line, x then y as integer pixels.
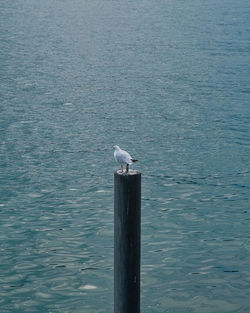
{"type": "Point", "coordinates": [169, 82]}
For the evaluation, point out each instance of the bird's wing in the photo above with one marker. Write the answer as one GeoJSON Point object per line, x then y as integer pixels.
{"type": "Point", "coordinates": [126, 157]}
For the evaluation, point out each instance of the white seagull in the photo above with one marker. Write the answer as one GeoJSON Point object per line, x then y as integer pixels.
{"type": "Point", "coordinates": [123, 157]}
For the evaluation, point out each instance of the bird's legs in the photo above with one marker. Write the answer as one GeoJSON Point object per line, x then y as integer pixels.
{"type": "Point", "coordinates": [127, 168]}
{"type": "Point", "coordinates": [122, 167]}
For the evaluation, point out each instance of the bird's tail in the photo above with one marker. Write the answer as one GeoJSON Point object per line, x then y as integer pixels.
{"type": "Point", "coordinates": [134, 160]}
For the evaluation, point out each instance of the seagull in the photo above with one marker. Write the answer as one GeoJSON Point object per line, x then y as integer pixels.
{"type": "Point", "coordinates": [123, 157]}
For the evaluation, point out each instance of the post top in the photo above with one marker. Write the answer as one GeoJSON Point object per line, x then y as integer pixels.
{"type": "Point", "coordinates": [130, 172]}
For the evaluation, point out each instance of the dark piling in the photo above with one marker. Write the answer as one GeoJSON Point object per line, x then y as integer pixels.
{"type": "Point", "coordinates": [127, 241]}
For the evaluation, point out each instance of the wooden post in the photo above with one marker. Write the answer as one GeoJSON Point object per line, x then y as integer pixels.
{"type": "Point", "coordinates": [127, 241]}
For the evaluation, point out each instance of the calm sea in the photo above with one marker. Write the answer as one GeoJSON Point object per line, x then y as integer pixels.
{"type": "Point", "coordinates": [167, 80]}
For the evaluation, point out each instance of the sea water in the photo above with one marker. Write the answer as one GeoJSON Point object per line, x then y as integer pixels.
{"type": "Point", "coordinates": [168, 81]}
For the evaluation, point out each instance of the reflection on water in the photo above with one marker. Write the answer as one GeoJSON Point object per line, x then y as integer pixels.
{"type": "Point", "coordinates": [167, 81]}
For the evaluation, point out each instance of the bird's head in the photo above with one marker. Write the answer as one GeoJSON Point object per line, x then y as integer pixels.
{"type": "Point", "coordinates": [116, 147]}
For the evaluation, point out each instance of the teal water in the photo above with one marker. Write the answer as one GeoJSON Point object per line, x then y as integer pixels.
{"type": "Point", "coordinates": [169, 81]}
